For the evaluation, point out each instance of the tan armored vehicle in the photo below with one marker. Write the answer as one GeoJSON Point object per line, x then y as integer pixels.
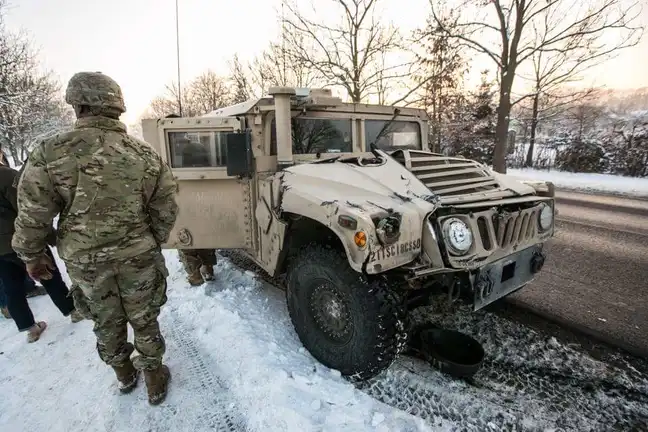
{"type": "Point", "coordinates": [347, 203]}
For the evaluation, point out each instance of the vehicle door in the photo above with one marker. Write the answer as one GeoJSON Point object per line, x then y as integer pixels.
{"type": "Point", "coordinates": [211, 160]}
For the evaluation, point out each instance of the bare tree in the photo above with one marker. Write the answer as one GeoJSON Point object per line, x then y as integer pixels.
{"type": "Point", "coordinates": [209, 92]}
{"type": "Point", "coordinates": [169, 103]}
{"type": "Point", "coordinates": [554, 70]}
{"type": "Point", "coordinates": [503, 31]}
{"type": "Point", "coordinates": [346, 54]}
{"type": "Point", "coordinates": [205, 93]}
{"type": "Point", "coordinates": [583, 115]}
{"type": "Point", "coordinates": [242, 88]}
{"type": "Point", "coordinates": [272, 67]}
{"type": "Point", "coordinates": [37, 112]}
{"type": "Point", "coordinates": [31, 106]}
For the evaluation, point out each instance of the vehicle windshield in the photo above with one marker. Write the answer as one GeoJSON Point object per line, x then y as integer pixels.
{"type": "Point", "coordinates": [392, 135]}
{"type": "Point", "coordinates": [317, 135]}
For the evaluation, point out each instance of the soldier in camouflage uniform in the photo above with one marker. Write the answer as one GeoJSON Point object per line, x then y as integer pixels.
{"type": "Point", "coordinates": [116, 199]}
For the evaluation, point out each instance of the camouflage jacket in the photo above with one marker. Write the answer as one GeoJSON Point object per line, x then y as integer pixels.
{"type": "Point", "coordinates": [115, 195]}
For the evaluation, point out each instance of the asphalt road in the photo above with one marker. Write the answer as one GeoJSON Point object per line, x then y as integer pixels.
{"type": "Point", "coordinates": [596, 275]}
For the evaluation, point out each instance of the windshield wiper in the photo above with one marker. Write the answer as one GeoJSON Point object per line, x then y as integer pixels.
{"type": "Point", "coordinates": [387, 124]}
{"type": "Point", "coordinates": [329, 160]}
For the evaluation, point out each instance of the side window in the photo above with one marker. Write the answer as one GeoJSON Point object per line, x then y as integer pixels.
{"type": "Point", "coordinates": [197, 149]}
{"type": "Point", "coordinates": [392, 135]}
{"type": "Point", "coordinates": [317, 135]}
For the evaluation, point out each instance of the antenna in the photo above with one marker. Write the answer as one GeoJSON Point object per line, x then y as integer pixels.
{"type": "Point", "coordinates": [283, 42]}
{"type": "Point", "coordinates": [178, 56]}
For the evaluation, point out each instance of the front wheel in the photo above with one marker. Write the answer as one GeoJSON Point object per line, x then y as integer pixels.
{"type": "Point", "coordinates": [345, 321]}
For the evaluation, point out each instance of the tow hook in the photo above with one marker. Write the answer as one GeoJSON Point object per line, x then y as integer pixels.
{"type": "Point", "coordinates": [484, 285]}
{"type": "Point", "coordinates": [537, 261]}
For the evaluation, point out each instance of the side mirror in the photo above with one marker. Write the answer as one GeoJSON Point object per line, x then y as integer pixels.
{"type": "Point", "coordinates": [239, 154]}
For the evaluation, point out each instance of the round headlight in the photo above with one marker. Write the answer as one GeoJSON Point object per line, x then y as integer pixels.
{"type": "Point", "coordinates": [546, 217]}
{"type": "Point", "coordinates": [458, 236]}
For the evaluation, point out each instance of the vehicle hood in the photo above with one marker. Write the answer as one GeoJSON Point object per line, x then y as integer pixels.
{"type": "Point", "coordinates": [387, 185]}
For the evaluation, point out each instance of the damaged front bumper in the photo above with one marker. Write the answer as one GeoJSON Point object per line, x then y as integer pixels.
{"type": "Point", "coordinates": [478, 286]}
{"type": "Point", "coordinates": [505, 276]}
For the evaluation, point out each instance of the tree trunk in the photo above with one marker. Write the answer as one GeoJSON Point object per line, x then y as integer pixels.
{"type": "Point", "coordinates": [501, 131]}
{"type": "Point", "coordinates": [15, 156]}
{"type": "Point", "coordinates": [534, 126]}
{"type": "Point", "coordinates": [438, 132]}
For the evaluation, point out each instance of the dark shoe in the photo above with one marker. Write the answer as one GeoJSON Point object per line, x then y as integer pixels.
{"type": "Point", "coordinates": [157, 383]}
{"type": "Point", "coordinates": [126, 376]}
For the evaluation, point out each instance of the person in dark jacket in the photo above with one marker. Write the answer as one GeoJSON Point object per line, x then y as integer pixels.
{"type": "Point", "coordinates": [31, 289]}
{"type": "Point", "coordinates": [13, 271]}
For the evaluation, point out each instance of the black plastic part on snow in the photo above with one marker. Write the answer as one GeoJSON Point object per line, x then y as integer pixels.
{"type": "Point", "coordinates": [450, 351]}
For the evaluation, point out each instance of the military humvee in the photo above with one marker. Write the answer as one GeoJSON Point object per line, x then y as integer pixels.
{"type": "Point", "coordinates": [349, 205]}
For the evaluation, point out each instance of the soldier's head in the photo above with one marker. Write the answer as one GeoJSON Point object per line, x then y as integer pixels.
{"type": "Point", "coordinates": [95, 94]}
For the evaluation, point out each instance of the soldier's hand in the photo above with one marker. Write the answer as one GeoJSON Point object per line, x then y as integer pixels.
{"type": "Point", "coordinates": [40, 269]}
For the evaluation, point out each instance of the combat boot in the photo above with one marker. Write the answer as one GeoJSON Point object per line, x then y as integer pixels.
{"type": "Point", "coordinates": [157, 383]}
{"type": "Point", "coordinates": [207, 272]}
{"type": "Point", "coordinates": [195, 278]}
{"type": "Point", "coordinates": [126, 376]}
{"type": "Point", "coordinates": [75, 316]}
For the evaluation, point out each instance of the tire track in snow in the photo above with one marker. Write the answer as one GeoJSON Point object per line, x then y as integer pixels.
{"type": "Point", "coordinates": [528, 382]}
{"type": "Point", "coordinates": [221, 412]}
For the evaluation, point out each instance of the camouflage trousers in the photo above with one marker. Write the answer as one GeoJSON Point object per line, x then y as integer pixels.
{"type": "Point", "coordinates": [193, 259]}
{"type": "Point", "coordinates": [118, 293]}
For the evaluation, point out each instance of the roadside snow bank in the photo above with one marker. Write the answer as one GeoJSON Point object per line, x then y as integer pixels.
{"type": "Point", "coordinates": [606, 183]}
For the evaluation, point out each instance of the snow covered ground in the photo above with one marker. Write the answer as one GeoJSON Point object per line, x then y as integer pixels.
{"type": "Point", "coordinates": [237, 364]}
{"type": "Point", "coordinates": [606, 183]}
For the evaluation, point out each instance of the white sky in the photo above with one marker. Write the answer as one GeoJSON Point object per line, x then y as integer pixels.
{"type": "Point", "coordinates": [133, 41]}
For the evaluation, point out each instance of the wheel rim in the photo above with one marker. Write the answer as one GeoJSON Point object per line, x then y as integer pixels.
{"type": "Point", "coordinates": [331, 312]}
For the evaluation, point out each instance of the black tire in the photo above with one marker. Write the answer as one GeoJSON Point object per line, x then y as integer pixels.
{"type": "Point", "coordinates": [370, 331]}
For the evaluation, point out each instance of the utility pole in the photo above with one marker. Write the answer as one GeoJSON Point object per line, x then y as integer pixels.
{"type": "Point", "coordinates": [178, 56]}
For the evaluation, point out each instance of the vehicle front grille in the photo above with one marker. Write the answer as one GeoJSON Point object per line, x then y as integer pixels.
{"type": "Point", "coordinates": [514, 228]}
{"type": "Point", "coordinates": [498, 232]}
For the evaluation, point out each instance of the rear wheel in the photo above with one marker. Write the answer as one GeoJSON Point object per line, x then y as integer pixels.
{"type": "Point", "coordinates": [345, 321]}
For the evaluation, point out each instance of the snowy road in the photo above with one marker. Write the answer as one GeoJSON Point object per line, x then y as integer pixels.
{"type": "Point", "coordinates": [237, 365]}
{"type": "Point", "coordinates": [597, 268]}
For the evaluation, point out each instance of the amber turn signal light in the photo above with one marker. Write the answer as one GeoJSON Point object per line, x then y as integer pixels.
{"type": "Point", "coordinates": [360, 239]}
